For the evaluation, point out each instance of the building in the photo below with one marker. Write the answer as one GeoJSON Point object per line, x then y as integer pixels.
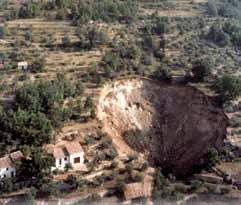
{"type": "Point", "coordinates": [72, 153]}
{"type": "Point", "coordinates": [136, 193]}
{"type": "Point", "coordinates": [22, 66]}
{"type": "Point", "coordinates": [7, 164]}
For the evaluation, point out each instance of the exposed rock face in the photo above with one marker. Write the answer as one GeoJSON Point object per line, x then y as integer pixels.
{"type": "Point", "coordinates": [179, 122]}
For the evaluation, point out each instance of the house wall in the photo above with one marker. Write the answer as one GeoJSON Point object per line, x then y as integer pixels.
{"type": "Point", "coordinates": [4, 171]}
{"type": "Point", "coordinates": [69, 159]}
{"type": "Point", "coordinates": [73, 156]}
{"type": "Point", "coordinates": [22, 66]}
{"type": "Point", "coordinates": [63, 162]}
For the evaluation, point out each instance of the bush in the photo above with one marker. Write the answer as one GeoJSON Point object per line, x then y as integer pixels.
{"type": "Point", "coordinates": [144, 166]}
{"type": "Point", "coordinates": [235, 121]}
{"type": "Point", "coordinates": [68, 166]}
{"type": "Point", "coordinates": [92, 114]}
{"type": "Point", "coordinates": [89, 140]}
{"type": "Point", "coordinates": [111, 153]}
{"type": "Point", "coordinates": [218, 36]}
{"type": "Point", "coordinates": [38, 65]}
{"type": "Point", "coordinates": [195, 185]}
{"type": "Point", "coordinates": [138, 178]}
{"type": "Point", "coordinates": [2, 32]}
{"type": "Point", "coordinates": [66, 41]}
{"type": "Point", "coordinates": [72, 180]}
{"type": "Point", "coordinates": [212, 157]}
{"type": "Point", "coordinates": [88, 103]}
{"type": "Point", "coordinates": [114, 164]}
{"type": "Point", "coordinates": [179, 187]}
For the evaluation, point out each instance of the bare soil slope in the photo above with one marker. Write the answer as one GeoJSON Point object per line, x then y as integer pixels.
{"type": "Point", "coordinates": [179, 122]}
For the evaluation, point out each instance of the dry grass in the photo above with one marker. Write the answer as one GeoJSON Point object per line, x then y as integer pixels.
{"type": "Point", "coordinates": [172, 12]}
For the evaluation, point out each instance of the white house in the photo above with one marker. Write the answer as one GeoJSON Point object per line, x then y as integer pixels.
{"type": "Point", "coordinates": [72, 153]}
{"type": "Point", "coordinates": [22, 66]}
{"type": "Point", "coordinates": [7, 164]}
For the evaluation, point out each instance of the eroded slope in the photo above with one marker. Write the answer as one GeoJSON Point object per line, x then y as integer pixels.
{"type": "Point", "coordinates": [178, 122]}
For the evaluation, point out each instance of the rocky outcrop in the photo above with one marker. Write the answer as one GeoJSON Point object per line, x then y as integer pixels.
{"type": "Point", "coordinates": [178, 122]}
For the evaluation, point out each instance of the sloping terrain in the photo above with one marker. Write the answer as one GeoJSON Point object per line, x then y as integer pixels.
{"type": "Point", "coordinates": [175, 124]}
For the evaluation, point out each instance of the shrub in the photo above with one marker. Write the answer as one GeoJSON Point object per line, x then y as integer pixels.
{"type": "Point", "coordinates": [92, 114]}
{"type": "Point", "coordinates": [94, 197]}
{"type": "Point", "coordinates": [89, 140]}
{"type": "Point", "coordinates": [164, 73]}
{"type": "Point", "coordinates": [88, 103]}
{"type": "Point", "coordinates": [212, 188]}
{"type": "Point", "coordinates": [66, 41]}
{"type": "Point", "coordinates": [218, 36]}
{"type": "Point", "coordinates": [144, 166]}
{"type": "Point", "coordinates": [212, 157]}
{"type": "Point", "coordinates": [138, 178]}
{"type": "Point", "coordinates": [195, 185]}
{"type": "Point", "coordinates": [55, 171]}
{"type": "Point", "coordinates": [114, 164]}
{"type": "Point", "coordinates": [72, 180]}
{"type": "Point", "coordinates": [225, 189]}
{"type": "Point", "coordinates": [2, 32]}
{"type": "Point", "coordinates": [38, 65]}
{"type": "Point", "coordinates": [68, 166]}
{"type": "Point", "coordinates": [111, 153]}
{"type": "Point", "coordinates": [182, 188]}
{"type": "Point", "coordinates": [235, 121]}
{"type": "Point", "coordinates": [129, 167]}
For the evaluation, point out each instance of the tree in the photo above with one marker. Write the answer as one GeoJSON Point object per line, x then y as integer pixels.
{"type": "Point", "coordinates": [6, 184]}
{"type": "Point", "coordinates": [36, 167]}
{"type": "Point", "coordinates": [212, 157]}
{"type": "Point", "coordinates": [229, 87]}
{"type": "Point", "coordinates": [201, 70]}
{"type": "Point", "coordinates": [90, 37]}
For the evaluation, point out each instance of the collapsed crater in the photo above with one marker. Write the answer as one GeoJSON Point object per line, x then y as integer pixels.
{"type": "Point", "coordinates": [174, 123]}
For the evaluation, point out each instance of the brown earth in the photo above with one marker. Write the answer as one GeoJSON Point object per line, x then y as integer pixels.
{"type": "Point", "coordinates": [179, 122]}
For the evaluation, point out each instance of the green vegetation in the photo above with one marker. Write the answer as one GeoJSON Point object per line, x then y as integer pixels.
{"type": "Point", "coordinates": [90, 37]}
{"type": "Point", "coordinates": [97, 41]}
{"type": "Point", "coordinates": [228, 86]}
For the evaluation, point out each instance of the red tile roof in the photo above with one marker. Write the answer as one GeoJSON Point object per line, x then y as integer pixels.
{"type": "Point", "coordinates": [5, 162]}
{"type": "Point", "coordinates": [137, 190]}
{"type": "Point", "coordinates": [73, 147]}
{"type": "Point", "coordinates": [8, 161]}
{"type": "Point", "coordinates": [58, 152]}
{"type": "Point", "coordinates": [134, 190]}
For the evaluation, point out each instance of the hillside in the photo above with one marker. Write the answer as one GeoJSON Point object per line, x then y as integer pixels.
{"type": "Point", "coordinates": [142, 86]}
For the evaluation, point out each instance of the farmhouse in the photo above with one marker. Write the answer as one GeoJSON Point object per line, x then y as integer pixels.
{"type": "Point", "coordinates": [72, 153]}
{"type": "Point", "coordinates": [7, 164]}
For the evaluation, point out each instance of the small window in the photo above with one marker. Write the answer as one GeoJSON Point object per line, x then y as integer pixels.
{"type": "Point", "coordinates": [4, 175]}
{"type": "Point", "coordinates": [77, 160]}
{"type": "Point", "coordinates": [7, 169]}
{"type": "Point", "coordinates": [60, 161]}
{"type": "Point", "coordinates": [12, 174]}
{"type": "Point", "coordinates": [65, 158]}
